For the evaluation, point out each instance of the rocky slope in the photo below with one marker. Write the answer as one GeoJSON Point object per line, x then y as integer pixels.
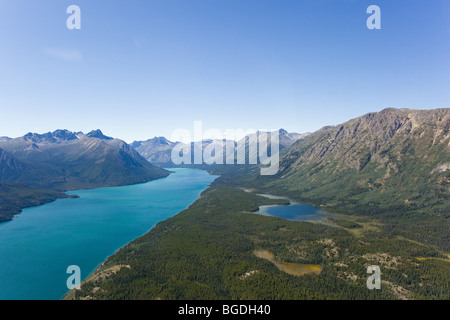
{"type": "Point", "coordinates": [74, 161]}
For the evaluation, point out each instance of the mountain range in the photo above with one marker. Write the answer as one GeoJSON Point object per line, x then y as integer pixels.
{"type": "Point", "coordinates": [396, 160]}
{"type": "Point", "coordinates": [37, 168]}
{"type": "Point", "coordinates": [159, 149]}
{"type": "Point", "coordinates": [63, 160]}
{"type": "Point", "coordinates": [384, 181]}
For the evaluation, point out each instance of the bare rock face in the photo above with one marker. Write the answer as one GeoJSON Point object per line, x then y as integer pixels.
{"type": "Point", "coordinates": [9, 167]}
{"type": "Point", "coordinates": [377, 138]}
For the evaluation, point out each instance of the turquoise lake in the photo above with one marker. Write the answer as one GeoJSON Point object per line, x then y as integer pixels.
{"type": "Point", "coordinates": [294, 212]}
{"type": "Point", "coordinates": [39, 244]}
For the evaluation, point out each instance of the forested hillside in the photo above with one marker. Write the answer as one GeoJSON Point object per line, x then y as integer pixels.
{"type": "Point", "coordinates": [392, 165]}
{"type": "Point", "coordinates": [208, 252]}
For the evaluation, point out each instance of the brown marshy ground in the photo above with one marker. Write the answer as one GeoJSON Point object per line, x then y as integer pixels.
{"type": "Point", "coordinates": [293, 269]}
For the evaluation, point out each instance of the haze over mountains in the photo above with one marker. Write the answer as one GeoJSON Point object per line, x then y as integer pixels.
{"type": "Point", "coordinates": [159, 149]}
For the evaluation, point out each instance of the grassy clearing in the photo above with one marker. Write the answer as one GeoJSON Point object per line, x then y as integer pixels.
{"type": "Point", "coordinates": [294, 269]}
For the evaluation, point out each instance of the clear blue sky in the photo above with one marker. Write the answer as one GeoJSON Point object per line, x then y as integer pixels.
{"type": "Point", "coordinates": [138, 69]}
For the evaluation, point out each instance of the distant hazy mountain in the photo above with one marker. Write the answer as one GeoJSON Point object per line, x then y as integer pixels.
{"type": "Point", "coordinates": [158, 150]}
{"type": "Point", "coordinates": [74, 161]}
{"type": "Point", "coordinates": [98, 134]}
{"type": "Point", "coordinates": [288, 138]}
{"type": "Point", "coordinates": [285, 140]}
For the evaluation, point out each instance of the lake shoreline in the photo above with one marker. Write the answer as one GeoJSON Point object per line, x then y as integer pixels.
{"type": "Point", "coordinates": [65, 195]}
{"type": "Point", "coordinates": [329, 219]}
{"type": "Point", "coordinates": [87, 231]}
{"type": "Point", "coordinates": [68, 295]}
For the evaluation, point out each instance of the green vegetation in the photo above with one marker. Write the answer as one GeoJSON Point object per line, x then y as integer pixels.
{"type": "Point", "coordinates": [388, 172]}
{"type": "Point", "coordinates": [347, 224]}
{"type": "Point", "coordinates": [208, 252]}
{"type": "Point", "coordinates": [424, 219]}
{"type": "Point", "coordinates": [15, 197]}
{"type": "Point", "coordinates": [392, 167]}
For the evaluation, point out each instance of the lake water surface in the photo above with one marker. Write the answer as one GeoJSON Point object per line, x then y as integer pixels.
{"type": "Point", "coordinates": [37, 247]}
{"type": "Point", "coordinates": [295, 211]}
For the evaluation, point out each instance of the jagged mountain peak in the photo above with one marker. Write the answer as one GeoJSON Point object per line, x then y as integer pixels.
{"type": "Point", "coordinates": [64, 134]}
{"type": "Point", "coordinates": [155, 150]}
{"type": "Point", "coordinates": [50, 137]}
{"type": "Point", "coordinates": [98, 134]}
{"type": "Point", "coordinates": [163, 140]}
